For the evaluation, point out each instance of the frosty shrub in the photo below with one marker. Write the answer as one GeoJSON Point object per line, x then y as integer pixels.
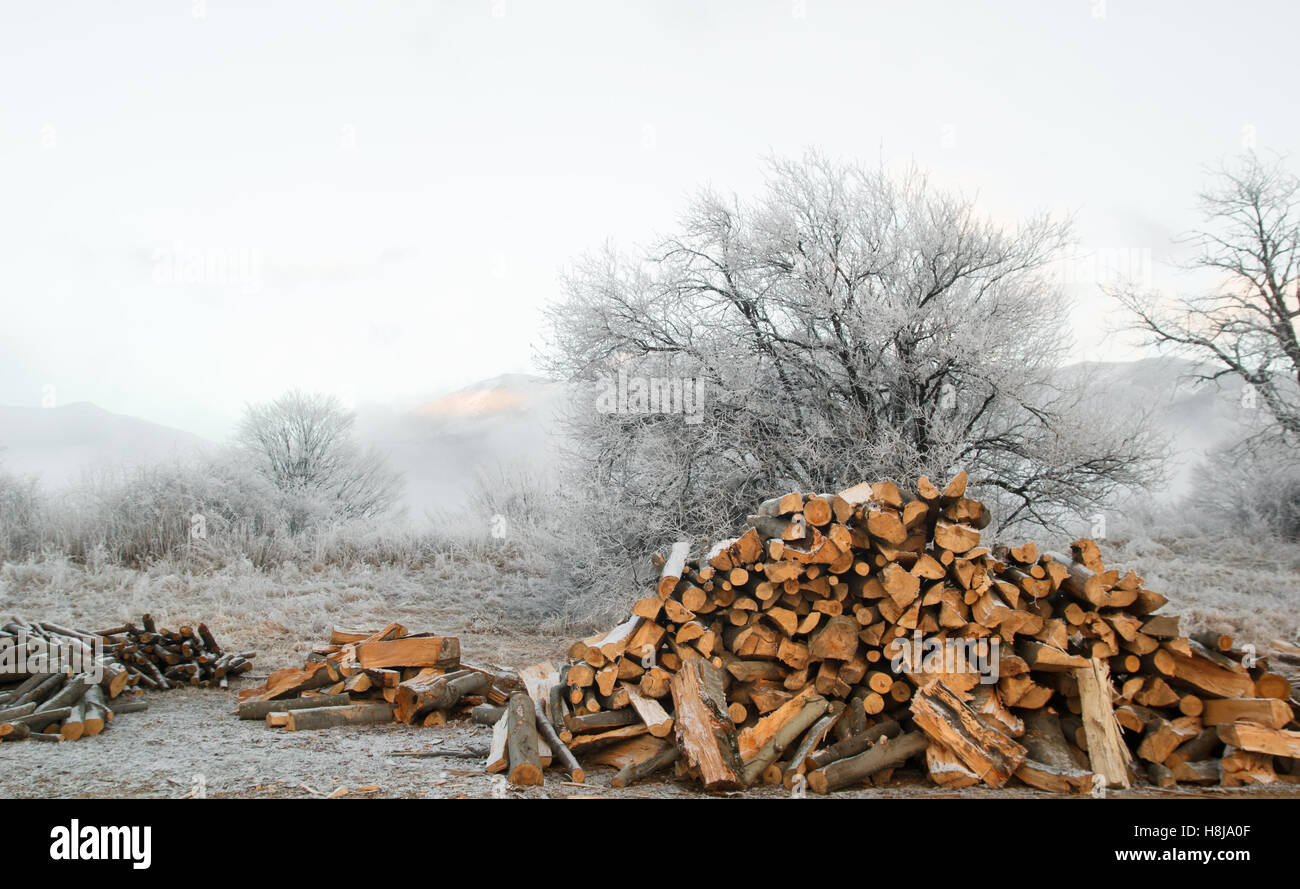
{"type": "Point", "coordinates": [206, 508]}
{"type": "Point", "coordinates": [22, 516]}
{"type": "Point", "coordinates": [1254, 490]}
{"type": "Point", "coordinates": [538, 523]}
{"type": "Point", "coordinates": [303, 445]}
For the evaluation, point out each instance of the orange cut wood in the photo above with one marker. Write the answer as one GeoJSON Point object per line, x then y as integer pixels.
{"type": "Point", "coordinates": [411, 651]}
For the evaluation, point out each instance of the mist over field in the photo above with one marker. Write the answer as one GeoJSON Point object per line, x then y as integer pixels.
{"type": "Point", "coordinates": [443, 444]}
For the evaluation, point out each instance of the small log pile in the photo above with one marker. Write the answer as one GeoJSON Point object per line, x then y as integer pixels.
{"type": "Point", "coordinates": [62, 684]}
{"type": "Point", "coordinates": [376, 676]}
{"type": "Point", "coordinates": [843, 636]}
{"type": "Point", "coordinates": [159, 659]}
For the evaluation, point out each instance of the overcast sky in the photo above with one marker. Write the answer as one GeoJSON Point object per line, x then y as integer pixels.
{"type": "Point", "coordinates": [207, 203]}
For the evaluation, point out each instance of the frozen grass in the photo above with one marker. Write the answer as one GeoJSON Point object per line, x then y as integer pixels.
{"type": "Point", "coordinates": [1243, 586]}
{"type": "Point", "coordinates": [282, 611]}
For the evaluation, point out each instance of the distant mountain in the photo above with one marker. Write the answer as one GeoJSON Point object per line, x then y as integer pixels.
{"type": "Point", "coordinates": [1196, 415]}
{"type": "Point", "coordinates": [440, 445]}
{"type": "Point", "coordinates": [59, 443]}
{"type": "Point", "coordinates": [509, 422]}
{"type": "Point", "coordinates": [506, 395]}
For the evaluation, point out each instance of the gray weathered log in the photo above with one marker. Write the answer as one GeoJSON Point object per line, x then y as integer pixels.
{"type": "Point", "coordinates": [521, 741]}
{"type": "Point", "coordinates": [67, 696]}
{"type": "Point", "coordinates": [42, 690]}
{"type": "Point", "coordinates": [331, 717]}
{"type": "Point", "coordinates": [856, 769]}
{"type": "Point", "coordinates": [12, 712]}
{"type": "Point", "coordinates": [854, 744]}
{"type": "Point", "coordinates": [132, 705]}
{"type": "Point", "coordinates": [598, 722]}
{"type": "Point", "coordinates": [20, 694]}
{"type": "Point", "coordinates": [486, 714]}
{"type": "Point", "coordinates": [639, 771]}
{"type": "Point", "coordinates": [40, 720]}
{"type": "Point", "coordinates": [559, 750]}
{"type": "Point", "coordinates": [259, 709]}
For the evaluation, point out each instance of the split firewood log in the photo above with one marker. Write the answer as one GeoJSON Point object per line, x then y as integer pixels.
{"type": "Point", "coordinates": [1109, 756]}
{"type": "Point", "coordinates": [411, 651]}
{"type": "Point", "coordinates": [705, 732]}
{"type": "Point", "coordinates": [812, 710]}
{"type": "Point", "coordinates": [1261, 739]}
{"type": "Point", "coordinates": [991, 755]}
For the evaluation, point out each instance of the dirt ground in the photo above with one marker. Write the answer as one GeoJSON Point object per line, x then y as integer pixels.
{"type": "Point", "coordinates": [190, 743]}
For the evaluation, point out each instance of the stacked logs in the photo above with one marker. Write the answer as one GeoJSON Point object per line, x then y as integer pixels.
{"type": "Point", "coordinates": [524, 738]}
{"type": "Point", "coordinates": [159, 659]}
{"type": "Point", "coordinates": [59, 707]}
{"type": "Point", "coordinates": [843, 636]}
{"type": "Point", "coordinates": [375, 676]}
{"type": "Point", "coordinates": [58, 683]}
{"type": "Point", "coordinates": [1286, 655]}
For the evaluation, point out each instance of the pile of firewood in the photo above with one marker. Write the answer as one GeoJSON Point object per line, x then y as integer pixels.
{"type": "Point", "coordinates": [43, 698]}
{"type": "Point", "coordinates": [376, 676]}
{"type": "Point", "coordinates": [161, 659]}
{"type": "Point", "coordinates": [841, 637]}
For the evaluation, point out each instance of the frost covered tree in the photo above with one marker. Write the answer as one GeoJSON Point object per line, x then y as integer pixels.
{"type": "Point", "coordinates": [848, 324]}
{"type": "Point", "coordinates": [303, 444]}
{"type": "Point", "coordinates": [1244, 324]}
